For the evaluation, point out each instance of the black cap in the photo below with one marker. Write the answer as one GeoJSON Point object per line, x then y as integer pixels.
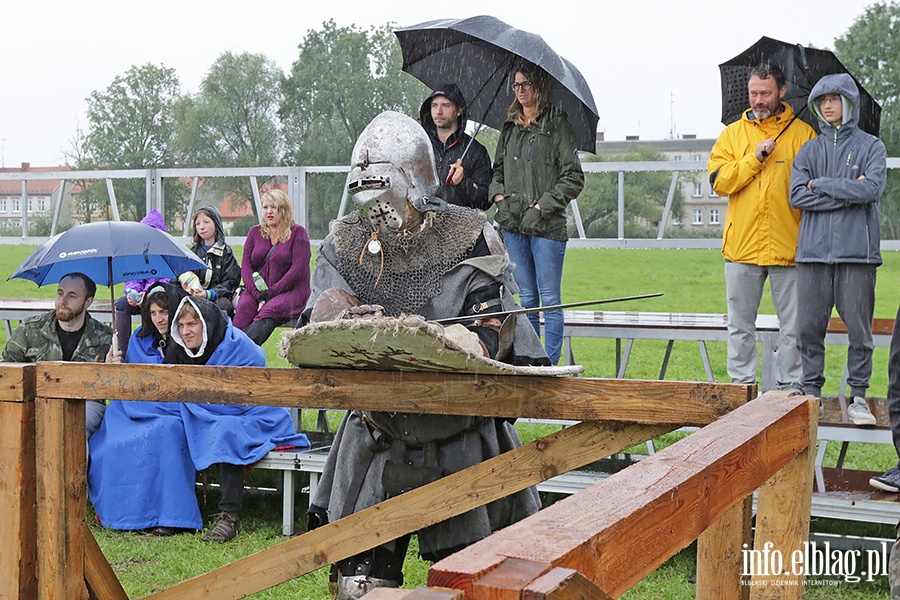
{"type": "Point", "coordinates": [451, 92]}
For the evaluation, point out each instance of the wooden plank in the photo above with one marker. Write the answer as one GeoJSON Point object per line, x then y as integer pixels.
{"type": "Point", "coordinates": [16, 382]}
{"type": "Point", "coordinates": [563, 584]}
{"type": "Point", "coordinates": [61, 504]}
{"type": "Point", "coordinates": [719, 556]}
{"type": "Point", "coordinates": [782, 519]}
{"type": "Point", "coordinates": [573, 398]}
{"type": "Point", "coordinates": [452, 495]}
{"type": "Point", "coordinates": [75, 481]}
{"type": "Point", "coordinates": [508, 580]}
{"type": "Point", "coordinates": [101, 579]}
{"type": "Point", "coordinates": [17, 497]}
{"type": "Point", "coordinates": [51, 512]}
{"type": "Point", "coordinates": [514, 579]}
{"type": "Point", "coordinates": [879, 326]}
{"type": "Point", "coordinates": [619, 530]}
{"type": "Point", "coordinates": [416, 594]}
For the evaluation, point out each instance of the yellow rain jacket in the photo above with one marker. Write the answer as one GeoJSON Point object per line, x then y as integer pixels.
{"type": "Point", "coordinates": [760, 225]}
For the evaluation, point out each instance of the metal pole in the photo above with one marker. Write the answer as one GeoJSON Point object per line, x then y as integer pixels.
{"type": "Point", "coordinates": [621, 227]}
{"type": "Point", "coordinates": [665, 215]}
{"type": "Point", "coordinates": [57, 207]}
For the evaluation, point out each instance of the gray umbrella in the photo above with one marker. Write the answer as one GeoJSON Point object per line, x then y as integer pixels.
{"type": "Point", "coordinates": [478, 53]}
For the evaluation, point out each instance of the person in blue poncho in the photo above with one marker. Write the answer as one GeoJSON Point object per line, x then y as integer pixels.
{"type": "Point", "coordinates": [146, 454]}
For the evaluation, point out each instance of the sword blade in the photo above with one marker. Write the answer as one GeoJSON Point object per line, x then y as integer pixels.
{"type": "Point", "coordinates": [521, 311]}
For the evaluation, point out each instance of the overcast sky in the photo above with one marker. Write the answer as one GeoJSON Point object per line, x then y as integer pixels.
{"type": "Point", "coordinates": [652, 66]}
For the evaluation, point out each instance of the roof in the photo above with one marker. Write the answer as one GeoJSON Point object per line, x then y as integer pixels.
{"type": "Point", "coordinates": [44, 187]}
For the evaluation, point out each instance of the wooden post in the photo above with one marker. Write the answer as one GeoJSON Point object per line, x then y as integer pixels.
{"type": "Point", "coordinates": [61, 499]}
{"type": "Point", "coordinates": [719, 554]}
{"type": "Point", "coordinates": [782, 521]}
{"type": "Point", "coordinates": [17, 484]}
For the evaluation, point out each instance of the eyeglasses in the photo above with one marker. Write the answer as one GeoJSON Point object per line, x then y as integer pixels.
{"type": "Point", "coordinates": [833, 98]}
{"type": "Point", "coordinates": [524, 85]}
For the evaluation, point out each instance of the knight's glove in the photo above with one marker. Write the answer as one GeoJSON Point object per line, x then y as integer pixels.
{"type": "Point", "coordinates": [331, 305]}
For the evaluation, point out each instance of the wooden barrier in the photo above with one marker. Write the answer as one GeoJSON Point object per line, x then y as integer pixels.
{"type": "Point", "coordinates": [674, 496]}
{"type": "Point", "coordinates": [17, 482]}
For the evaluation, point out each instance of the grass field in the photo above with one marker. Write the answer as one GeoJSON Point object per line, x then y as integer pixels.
{"type": "Point", "coordinates": [691, 280]}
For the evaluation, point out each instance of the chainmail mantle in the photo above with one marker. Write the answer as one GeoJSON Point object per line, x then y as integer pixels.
{"type": "Point", "coordinates": [414, 262]}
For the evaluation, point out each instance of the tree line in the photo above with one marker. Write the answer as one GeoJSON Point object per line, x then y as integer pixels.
{"type": "Point", "coordinates": [247, 112]}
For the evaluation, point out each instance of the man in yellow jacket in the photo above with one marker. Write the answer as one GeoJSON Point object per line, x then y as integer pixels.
{"type": "Point", "coordinates": [751, 164]}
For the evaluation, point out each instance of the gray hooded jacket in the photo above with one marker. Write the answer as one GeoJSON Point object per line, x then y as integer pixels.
{"type": "Point", "coordinates": [837, 180]}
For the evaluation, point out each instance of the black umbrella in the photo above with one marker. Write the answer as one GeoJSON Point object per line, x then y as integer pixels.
{"type": "Point", "coordinates": [478, 53]}
{"type": "Point", "coordinates": [803, 67]}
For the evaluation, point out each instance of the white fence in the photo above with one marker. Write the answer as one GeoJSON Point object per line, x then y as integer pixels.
{"type": "Point", "coordinates": [296, 178]}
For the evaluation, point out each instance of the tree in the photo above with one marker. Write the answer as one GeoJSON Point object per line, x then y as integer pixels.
{"type": "Point", "coordinates": [871, 51]}
{"type": "Point", "coordinates": [232, 121]}
{"type": "Point", "coordinates": [131, 125]}
{"type": "Point", "coordinates": [645, 192]}
{"type": "Point", "coordinates": [341, 80]}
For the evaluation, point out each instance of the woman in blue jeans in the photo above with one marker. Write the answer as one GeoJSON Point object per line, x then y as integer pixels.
{"type": "Point", "coordinates": [536, 174]}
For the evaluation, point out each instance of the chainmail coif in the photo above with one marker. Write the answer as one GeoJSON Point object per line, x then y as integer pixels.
{"type": "Point", "coordinates": [414, 262]}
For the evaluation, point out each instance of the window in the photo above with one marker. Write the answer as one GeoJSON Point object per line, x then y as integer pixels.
{"type": "Point", "coordinates": [698, 190]}
{"type": "Point", "coordinates": [698, 217]}
{"type": "Point", "coordinates": [677, 158]}
{"type": "Point", "coordinates": [712, 192]}
{"type": "Point", "coordinates": [3, 205]}
{"type": "Point", "coordinates": [697, 157]}
{"type": "Point", "coordinates": [714, 216]}
{"type": "Point", "coordinates": [30, 205]}
{"type": "Point", "coordinates": [42, 205]}
{"type": "Point", "coordinates": [16, 207]}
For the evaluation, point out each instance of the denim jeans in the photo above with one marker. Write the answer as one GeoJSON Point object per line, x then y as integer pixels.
{"type": "Point", "coordinates": [539, 264]}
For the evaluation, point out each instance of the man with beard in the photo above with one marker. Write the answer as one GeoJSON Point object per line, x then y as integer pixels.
{"type": "Point", "coordinates": [68, 333]}
{"type": "Point", "coordinates": [464, 170]}
{"type": "Point", "coordinates": [751, 164]}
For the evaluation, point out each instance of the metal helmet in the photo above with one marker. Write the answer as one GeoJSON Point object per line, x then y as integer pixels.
{"type": "Point", "coordinates": [393, 172]}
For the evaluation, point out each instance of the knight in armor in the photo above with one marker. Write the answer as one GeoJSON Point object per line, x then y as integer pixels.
{"type": "Point", "coordinates": [406, 251]}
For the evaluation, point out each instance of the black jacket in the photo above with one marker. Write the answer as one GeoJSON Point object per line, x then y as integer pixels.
{"type": "Point", "coordinates": [223, 273]}
{"type": "Point", "coordinates": [472, 191]}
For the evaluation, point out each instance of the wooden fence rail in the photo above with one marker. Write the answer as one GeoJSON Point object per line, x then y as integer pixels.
{"type": "Point", "coordinates": [627, 524]}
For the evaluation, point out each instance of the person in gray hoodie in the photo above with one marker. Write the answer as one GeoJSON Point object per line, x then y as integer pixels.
{"type": "Point", "coordinates": [837, 180]}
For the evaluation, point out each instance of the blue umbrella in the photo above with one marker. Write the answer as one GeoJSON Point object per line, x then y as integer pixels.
{"type": "Point", "coordinates": [108, 252]}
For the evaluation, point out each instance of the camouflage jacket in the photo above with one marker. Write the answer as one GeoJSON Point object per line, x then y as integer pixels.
{"type": "Point", "coordinates": [35, 340]}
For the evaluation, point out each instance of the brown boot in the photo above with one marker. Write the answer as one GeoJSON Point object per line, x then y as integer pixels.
{"type": "Point", "coordinates": [224, 529]}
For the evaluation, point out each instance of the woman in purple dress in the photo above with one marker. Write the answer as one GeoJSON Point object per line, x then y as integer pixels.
{"type": "Point", "coordinates": [278, 251]}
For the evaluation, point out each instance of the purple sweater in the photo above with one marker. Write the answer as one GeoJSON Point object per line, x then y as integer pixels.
{"type": "Point", "coordinates": [153, 219]}
{"type": "Point", "coordinates": [286, 272]}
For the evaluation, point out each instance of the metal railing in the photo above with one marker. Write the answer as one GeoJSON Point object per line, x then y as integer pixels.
{"type": "Point", "coordinates": [296, 178]}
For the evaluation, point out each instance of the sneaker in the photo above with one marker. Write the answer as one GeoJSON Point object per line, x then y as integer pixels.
{"type": "Point", "coordinates": [859, 412]}
{"type": "Point", "coordinates": [888, 482]}
{"type": "Point", "coordinates": [225, 528]}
